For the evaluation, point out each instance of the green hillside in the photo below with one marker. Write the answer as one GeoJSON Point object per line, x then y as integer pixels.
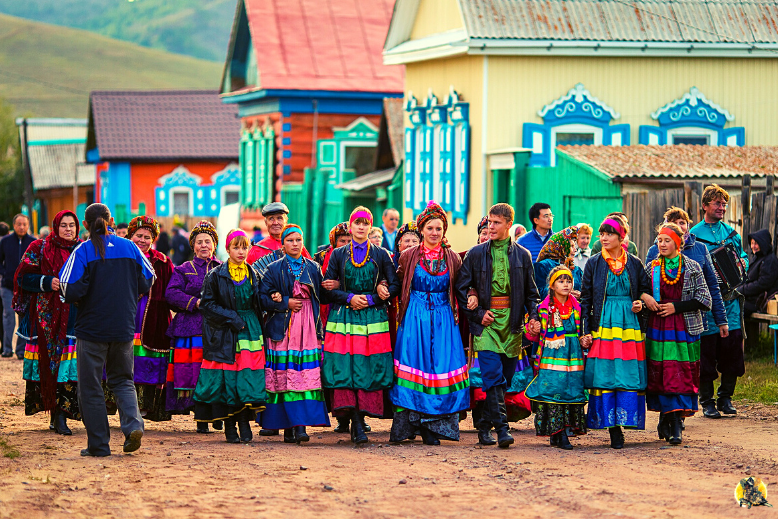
{"type": "Point", "coordinates": [199, 28]}
{"type": "Point", "coordinates": [48, 71]}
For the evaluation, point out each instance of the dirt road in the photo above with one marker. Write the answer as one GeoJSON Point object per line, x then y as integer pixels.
{"type": "Point", "coordinates": [180, 474]}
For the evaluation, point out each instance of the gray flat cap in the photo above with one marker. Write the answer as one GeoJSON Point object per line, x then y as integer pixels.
{"type": "Point", "coordinates": [275, 208]}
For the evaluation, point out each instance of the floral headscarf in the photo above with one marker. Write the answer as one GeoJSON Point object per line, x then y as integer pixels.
{"type": "Point", "coordinates": [203, 227]}
{"type": "Point", "coordinates": [409, 227]}
{"type": "Point", "coordinates": [558, 246]}
{"type": "Point", "coordinates": [336, 232]}
{"type": "Point", "coordinates": [433, 211]}
{"type": "Point", "coordinates": [143, 222]}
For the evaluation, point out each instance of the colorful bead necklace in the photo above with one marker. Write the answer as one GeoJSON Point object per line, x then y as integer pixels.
{"type": "Point", "coordinates": [292, 271]}
{"type": "Point", "coordinates": [617, 265]}
{"type": "Point", "coordinates": [351, 255]}
{"type": "Point", "coordinates": [663, 270]}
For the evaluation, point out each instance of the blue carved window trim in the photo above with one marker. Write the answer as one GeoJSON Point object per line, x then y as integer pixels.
{"type": "Point", "coordinates": [692, 115]}
{"type": "Point", "coordinates": [204, 199]}
{"type": "Point", "coordinates": [437, 154]}
{"type": "Point", "coordinates": [580, 112]}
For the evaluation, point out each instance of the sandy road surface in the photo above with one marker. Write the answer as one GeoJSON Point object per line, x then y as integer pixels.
{"type": "Point", "coordinates": [180, 474]}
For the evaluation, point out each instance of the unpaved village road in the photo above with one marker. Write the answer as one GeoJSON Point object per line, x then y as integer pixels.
{"type": "Point", "coordinates": [180, 474]}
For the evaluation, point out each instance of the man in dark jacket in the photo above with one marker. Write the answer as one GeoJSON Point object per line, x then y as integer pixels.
{"type": "Point", "coordinates": [500, 271]}
{"type": "Point", "coordinates": [762, 272]}
{"type": "Point", "coordinates": [181, 248]}
{"type": "Point", "coordinates": [12, 248]}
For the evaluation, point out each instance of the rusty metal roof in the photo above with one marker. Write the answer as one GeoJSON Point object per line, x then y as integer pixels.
{"type": "Point", "coordinates": [678, 161]}
{"type": "Point", "coordinates": [704, 21]}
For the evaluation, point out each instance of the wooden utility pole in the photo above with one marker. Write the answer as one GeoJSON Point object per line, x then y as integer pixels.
{"type": "Point", "coordinates": [28, 195]}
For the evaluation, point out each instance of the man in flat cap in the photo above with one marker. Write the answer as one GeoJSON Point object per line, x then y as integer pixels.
{"type": "Point", "coordinates": [276, 216]}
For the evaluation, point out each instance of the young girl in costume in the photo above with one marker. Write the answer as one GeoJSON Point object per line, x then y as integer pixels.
{"type": "Point", "coordinates": [673, 335]}
{"type": "Point", "coordinates": [557, 391]}
{"type": "Point", "coordinates": [231, 384]}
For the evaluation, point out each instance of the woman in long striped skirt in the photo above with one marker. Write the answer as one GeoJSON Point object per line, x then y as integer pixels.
{"type": "Point", "coordinates": [357, 365]}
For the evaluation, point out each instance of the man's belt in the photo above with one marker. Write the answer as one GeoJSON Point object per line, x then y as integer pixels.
{"type": "Point", "coordinates": [501, 302]}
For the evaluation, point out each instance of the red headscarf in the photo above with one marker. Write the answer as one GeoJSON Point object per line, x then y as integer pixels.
{"type": "Point", "coordinates": [47, 312]}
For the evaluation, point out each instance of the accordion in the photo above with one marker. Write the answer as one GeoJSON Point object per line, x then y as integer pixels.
{"type": "Point", "coordinates": [260, 266]}
{"type": "Point", "coordinates": [729, 269]}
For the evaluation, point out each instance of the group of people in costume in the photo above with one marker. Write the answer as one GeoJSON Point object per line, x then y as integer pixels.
{"type": "Point", "coordinates": [420, 334]}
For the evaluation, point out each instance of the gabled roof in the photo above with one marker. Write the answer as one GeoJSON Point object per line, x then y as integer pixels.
{"type": "Point", "coordinates": [622, 163]}
{"type": "Point", "coordinates": [56, 151]}
{"type": "Point", "coordinates": [162, 125]}
{"type": "Point", "coordinates": [604, 27]}
{"type": "Point", "coordinates": [332, 45]}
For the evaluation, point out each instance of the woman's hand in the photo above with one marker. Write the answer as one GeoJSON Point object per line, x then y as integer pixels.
{"type": "Point", "coordinates": [637, 306]}
{"type": "Point", "coordinates": [359, 302]}
{"type": "Point", "coordinates": [666, 309]}
{"type": "Point", "coordinates": [383, 292]}
{"type": "Point", "coordinates": [586, 341]}
{"type": "Point", "coordinates": [295, 305]}
{"type": "Point", "coordinates": [534, 326]}
{"type": "Point", "coordinates": [650, 302]}
{"type": "Point", "coordinates": [55, 284]}
{"type": "Point", "coordinates": [472, 302]}
{"type": "Point", "coordinates": [576, 294]}
{"type": "Point", "coordinates": [330, 284]}
{"type": "Point", "coordinates": [197, 304]}
{"type": "Point", "coordinates": [277, 297]}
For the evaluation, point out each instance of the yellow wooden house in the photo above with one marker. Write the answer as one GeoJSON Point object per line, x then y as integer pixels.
{"type": "Point", "coordinates": [492, 87]}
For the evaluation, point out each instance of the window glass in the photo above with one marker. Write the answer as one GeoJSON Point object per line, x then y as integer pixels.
{"type": "Point", "coordinates": [359, 158]}
{"type": "Point", "coordinates": [696, 140]}
{"type": "Point", "coordinates": [574, 139]}
{"type": "Point", "coordinates": [231, 197]}
{"type": "Point", "coordinates": [181, 203]}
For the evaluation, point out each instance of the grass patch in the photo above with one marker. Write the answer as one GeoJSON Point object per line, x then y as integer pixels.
{"type": "Point", "coordinates": [760, 383]}
{"type": "Point", "coordinates": [9, 451]}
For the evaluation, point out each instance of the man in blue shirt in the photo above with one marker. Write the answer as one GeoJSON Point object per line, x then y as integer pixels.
{"type": "Point", "coordinates": [391, 219]}
{"type": "Point", "coordinates": [721, 348]}
{"type": "Point", "coordinates": [542, 221]}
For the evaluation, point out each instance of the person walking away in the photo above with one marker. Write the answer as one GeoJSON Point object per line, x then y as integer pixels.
{"type": "Point", "coordinates": [231, 384]}
{"type": "Point", "coordinates": [673, 333]}
{"type": "Point", "coordinates": [557, 391]}
{"type": "Point", "coordinates": [431, 384]}
{"type": "Point", "coordinates": [357, 365]}
{"type": "Point", "coordinates": [615, 289]}
{"type": "Point", "coordinates": [12, 248]}
{"type": "Point", "coordinates": [186, 330]}
{"type": "Point", "coordinates": [720, 352]}
{"type": "Point", "coordinates": [151, 344]}
{"type": "Point", "coordinates": [291, 292]}
{"type": "Point", "coordinates": [106, 276]}
{"type": "Point", "coordinates": [542, 222]}
{"type": "Point", "coordinates": [500, 272]}
{"type": "Point", "coordinates": [762, 281]}
{"type": "Point", "coordinates": [47, 326]}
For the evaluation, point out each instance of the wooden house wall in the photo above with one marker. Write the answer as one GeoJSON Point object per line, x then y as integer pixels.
{"type": "Point", "coordinates": [145, 178]}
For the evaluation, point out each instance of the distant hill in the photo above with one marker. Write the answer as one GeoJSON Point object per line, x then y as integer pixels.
{"type": "Point", "coordinates": [199, 28]}
{"type": "Point", "coordinates": [48, 71]}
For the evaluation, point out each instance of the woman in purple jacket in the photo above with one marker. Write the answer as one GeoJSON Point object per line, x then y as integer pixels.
{"type": "Point", "coordinates": [183, 294]}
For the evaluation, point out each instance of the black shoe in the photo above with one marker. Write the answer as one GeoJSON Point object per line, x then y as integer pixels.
{"type": "Point", "coordinates": [6, 355]}
{"type": "Point", "coordinates": [725, 406]}
{"type": "Point", "coordinates": [485, 435]}
{"type": "Point", "coordinates": [268, 432]}
{"type": "Point", "coordinates": [202, 428]}
{"type": "Point", "coordinates": [709, 410]}
{"type": "Point", "coordinates": [87, 452]}
{"type": "Point", "coordinates": [675, 428]}
{"type": "Point", "coordinates": [344, 425]}
{"type": "Point", "coordinates": [218, 425]}
{"type": "Point", "coordinates": [553, 440]}
{"type": "Point", "coordinates": [300, 434]}
{"type": "Point", "coordinates": [358, 435]}
{"type": "Point", "coordinates": [231, 431]}
{"type": "Point", "coordinates": [61, 424]}
{"type": "Point", "coordinates": [366, 427]}
{"type": "Point", "coordinates": [244, 426]}
{"type": "Point", "coordinates": [617, 437]}
{"type": "Point", "coordinates": [429, 437]}
{"type": "Point", "coordinates": [132, 443]}
{"type": "Point", "coordinates": [663, 427]}
{"type": "Point", "coordinates": [20, 357]}
{"type": "Point", "coordinates": [289, 435]}
{"type": "Point", "coordinates": [563, 442]}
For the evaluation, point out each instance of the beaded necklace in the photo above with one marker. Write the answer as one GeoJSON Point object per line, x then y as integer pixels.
{"type": "Point", "coordinates": [351, 255]}
{"type": "Point", "coordinates": [292, 271]}
{"type": "Point", "coordinates": [663, 271]}
{"type": "Point", "coordinates": [617, 265]}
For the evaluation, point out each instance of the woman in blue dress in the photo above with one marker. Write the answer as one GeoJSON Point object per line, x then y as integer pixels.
{"type": "Point", "coordinates": [431, 384]}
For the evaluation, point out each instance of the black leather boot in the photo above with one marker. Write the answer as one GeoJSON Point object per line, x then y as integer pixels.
{"type": "Point", "coordinates": [706, 400]}
{"type": "Point", "coordinates": [726, 390]}
{"type": "Point", "coordinates": [300, 434]}
{"type": "Point", "coordinates": [366, 427]}
{"type": "Point", "coordinates": [344, 423]}
{"type": "Point", "coordinates": [202, 428]}
{"type": "Point", "coordinates": [231, 431]}
{"type": "Point", "coordinates": [563, 442]}
{"type": "Point", "coordinates": [289, 435]}
{"type": "Point", "coordinates": [268, 432]}
{"type": "Point", "coordinates": [218, 425]}
{"type": "Point", "coordinates": [358, 435]}
{"type": "Point", "coordinates": [663, 427]}
{"type": "Point", "coordinates": [675, 428]}
{"type": "Point", "coordinates": [429, 437]}
{"type": "Point", "coordinates": [244, 426]}
{"type": "Point", "coordinates": [61, 424]}
{"type": "Point", "coordinates": [617, 437]}
{"type": "Point", "coordinates": [495, 401]}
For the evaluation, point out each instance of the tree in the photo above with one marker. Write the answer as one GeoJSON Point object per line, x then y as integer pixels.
{"type": "Point", "coordinates": [11, 171]}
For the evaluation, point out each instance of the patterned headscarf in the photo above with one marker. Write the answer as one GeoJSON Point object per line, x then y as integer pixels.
{"type": "Point", "coordinates": [206, 227]}
{"type": "Point", "coordinates": [433, 211]}
{"type": "Point", "coordinates": [558, 246]}
{"type": "Point", "coordinates": [336, 232]}
{"type": "Point", "coordinates": [143, 222]}
{"type": "Point", "coordinates": [409, 227]}
{"type": "Point", "coordinates": [482, 225]}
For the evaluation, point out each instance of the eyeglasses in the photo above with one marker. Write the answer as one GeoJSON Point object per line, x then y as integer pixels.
{"type": "Point", "coordinates": [722, 205]}
{"type": "Point", "coordinates": [548, 216]}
